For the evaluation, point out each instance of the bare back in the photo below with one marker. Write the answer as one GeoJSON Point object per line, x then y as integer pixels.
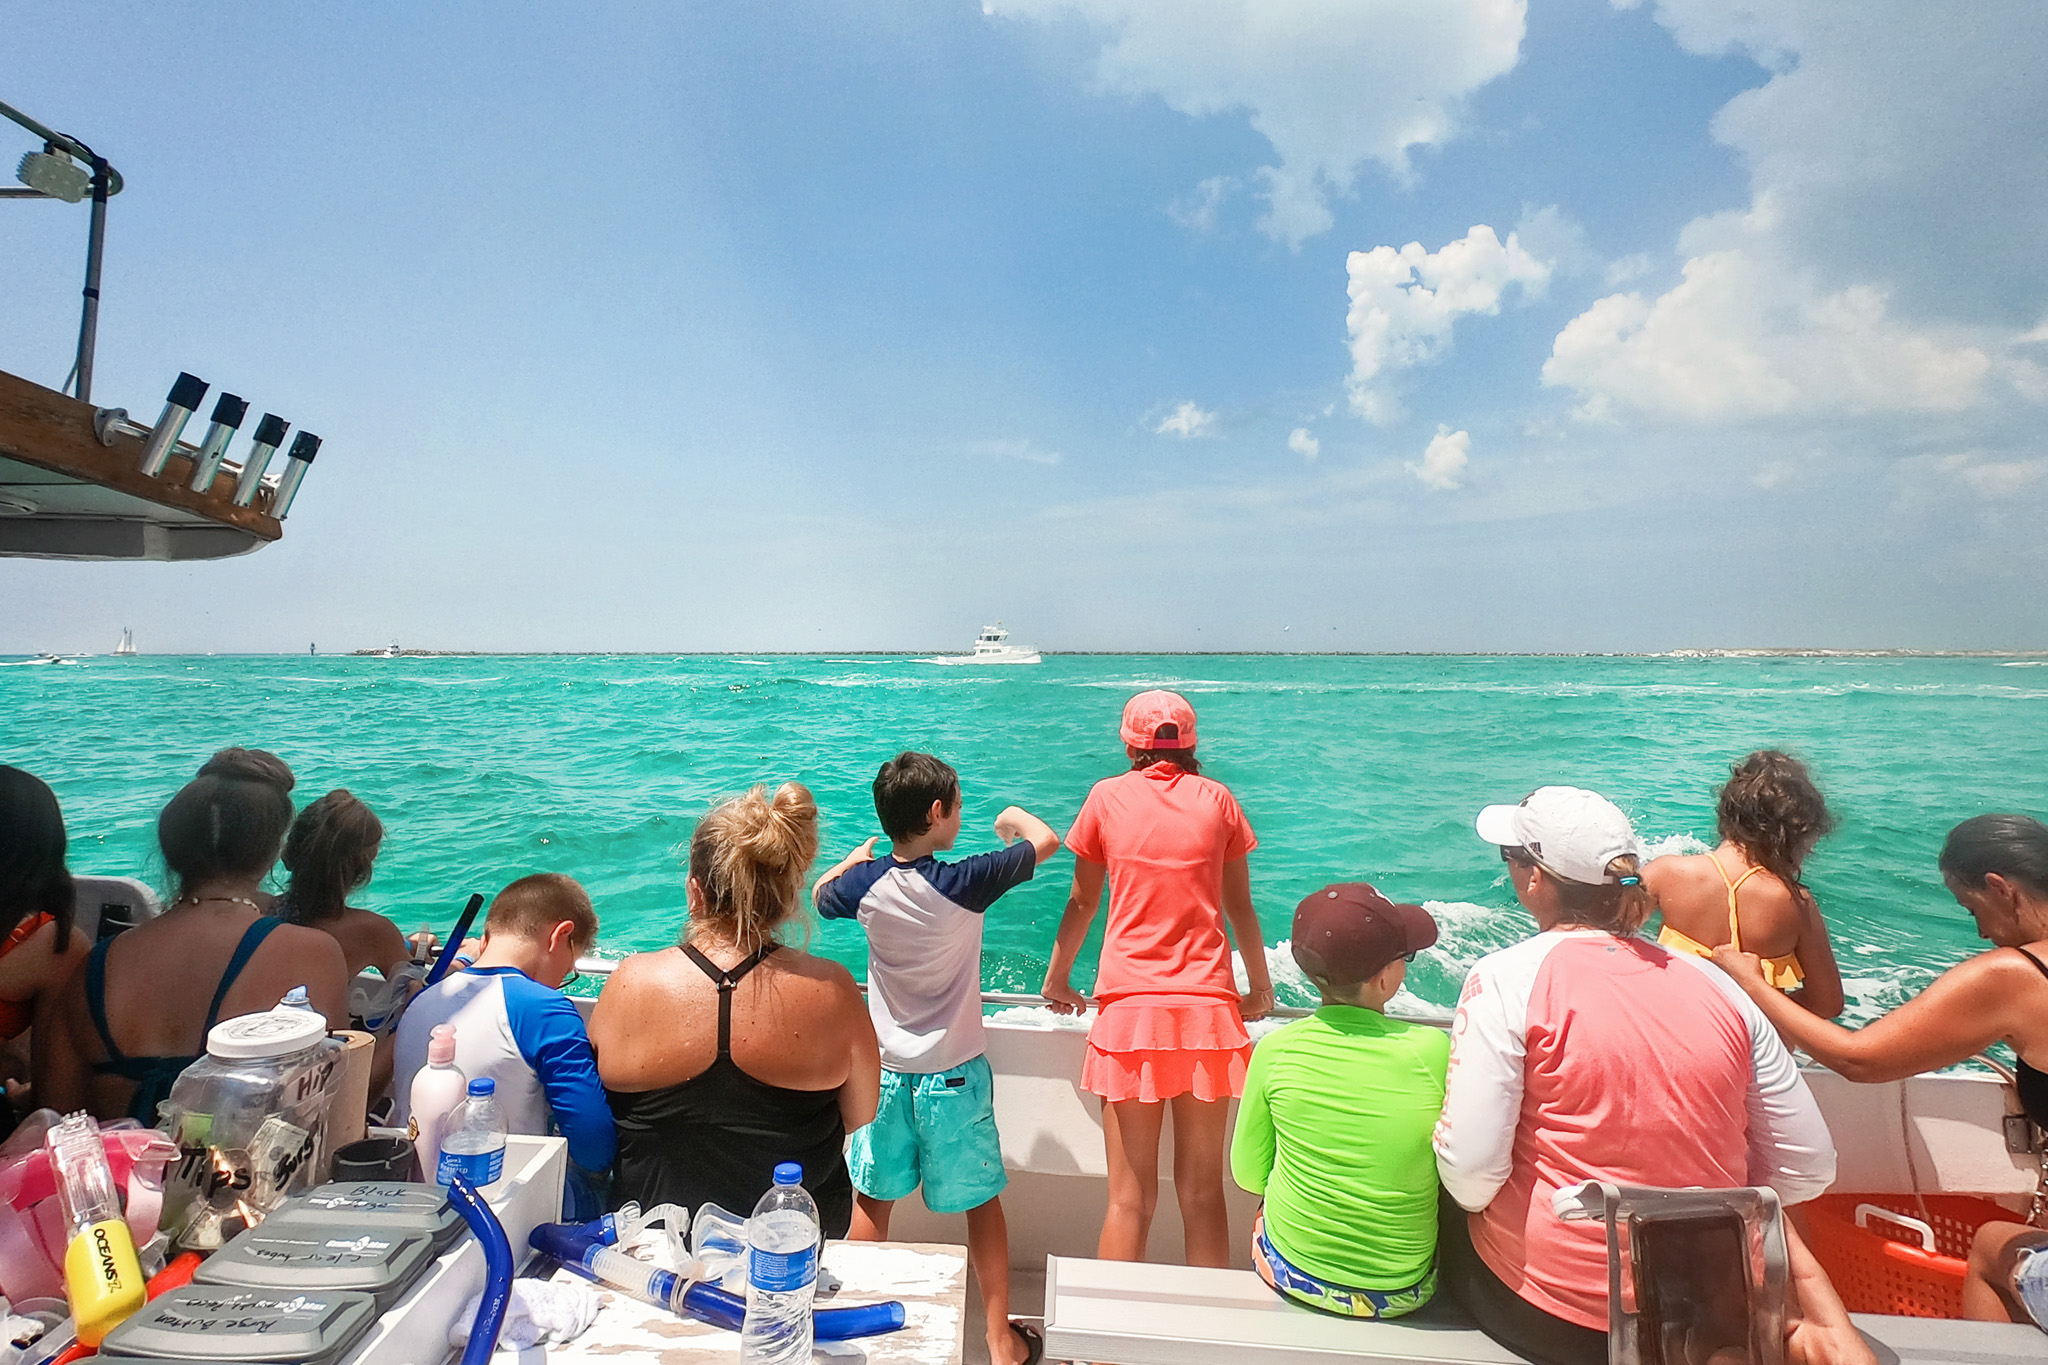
{"type": "Point", "coordinates": [1694, 896]}
{"type": "Point", "coordinates": [160, 980]}
{"type": "Point", "coordinates": [798, 1022]}
{"type": "Point", "coordinates": [368, 940]}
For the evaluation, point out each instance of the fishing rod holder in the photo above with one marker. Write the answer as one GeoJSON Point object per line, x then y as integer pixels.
{"type": "Point", "coordinates": [162, 441]}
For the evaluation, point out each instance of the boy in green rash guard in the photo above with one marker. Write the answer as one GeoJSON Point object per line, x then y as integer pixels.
{"type": "Point", "coordinates": [1335, 1123]}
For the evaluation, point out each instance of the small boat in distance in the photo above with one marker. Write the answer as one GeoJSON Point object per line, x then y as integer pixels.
{"type": "Point", "coordinates": [127, 645]}
{"type": "Point", "coordinates": [992, 646]}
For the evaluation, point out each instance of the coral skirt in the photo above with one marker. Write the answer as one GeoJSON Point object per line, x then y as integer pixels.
{"type": "Point", "coordinates": [1154, 1047]}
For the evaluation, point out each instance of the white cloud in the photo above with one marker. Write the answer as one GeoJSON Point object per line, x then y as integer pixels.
{"type": "Point", "coordinates": [1014, 450]}
{"type": "Point", "coordinates": [1187, 422]}
{"type": "Point", "coordinates": [1443, 463]}
{"type": "Point", "coordinates": [1874, 269]}
{"type": "Point", "coordinates": [1557, 239]}
{"type": "Point", "coordinates": [1404, 302]}
{"type": "Point", "coordinates": [1740, 338]}
{"type": "Point", "coordinates": [1198, 211]}
{"type": "Point", "coordinates": [1905, 146]}
{"type": "Point", "coordinates": [1302, 443]}
{"type": "Point", "coordinates": [1627, 269]}
{"type": "Point", "coordinates": [1992, 478]}
{"type": "Point", "coordinates": [1330, 84]}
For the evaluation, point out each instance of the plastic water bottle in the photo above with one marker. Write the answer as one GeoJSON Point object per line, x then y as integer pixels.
{"type": "Point", "coordinates": [473, 1144]}
{"type": "Point", "coordinates": [296, 999]}
{"type": "Point", "coordinates": [782, 1273]}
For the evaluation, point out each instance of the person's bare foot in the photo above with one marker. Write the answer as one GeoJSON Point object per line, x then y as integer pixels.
{"type": "Point", "coordinates": [1009, 1344]}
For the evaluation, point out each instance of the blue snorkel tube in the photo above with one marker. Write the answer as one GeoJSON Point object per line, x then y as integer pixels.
{"type": "Point", "coordinates": [490, 1311]}
{"type": "Point", "coordinates": [582, 1251]}
{"type": "Point", "coordinates": [454, 943]}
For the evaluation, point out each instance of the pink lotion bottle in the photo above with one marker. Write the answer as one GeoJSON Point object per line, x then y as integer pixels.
{"type": "Point", "coordinates": [437, 1088]}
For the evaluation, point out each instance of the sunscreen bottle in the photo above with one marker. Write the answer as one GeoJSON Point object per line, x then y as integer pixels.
{"type": "Point", "coordinates": [101, 1274]}
{"type": "Point", "coordinates": [436, 1089]}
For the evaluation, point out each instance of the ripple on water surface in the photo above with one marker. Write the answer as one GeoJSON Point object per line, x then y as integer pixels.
{"type": "Point", "coordinates": [1370, 768]}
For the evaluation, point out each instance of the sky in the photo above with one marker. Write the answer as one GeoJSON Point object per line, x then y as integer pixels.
{"type": "Point", "coordinates": [1136, 324]}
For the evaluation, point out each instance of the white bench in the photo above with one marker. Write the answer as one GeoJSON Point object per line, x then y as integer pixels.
{"type": "Point", "coordinates": [1121, 1313]}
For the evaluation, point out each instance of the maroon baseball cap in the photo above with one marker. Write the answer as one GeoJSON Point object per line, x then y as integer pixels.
{"type": "Point", "coordinates": [1348, 931]}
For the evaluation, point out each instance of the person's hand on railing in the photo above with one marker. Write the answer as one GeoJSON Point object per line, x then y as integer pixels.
{"type": "Point", "coordinates": [1256, 1003]}
{"type": "Point", "coordinates": [1063, 998]}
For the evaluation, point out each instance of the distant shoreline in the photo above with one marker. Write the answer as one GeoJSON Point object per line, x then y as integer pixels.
{"type": "Point", "coordinates": [919, 654]}
{"type": "Point", "coordinates": [1700, 653]}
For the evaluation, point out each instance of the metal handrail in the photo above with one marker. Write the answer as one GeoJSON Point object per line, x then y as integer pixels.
{"type": "Point", "coordinates": [604, 966]}
{"type": "Point", "coordinates": [106, 183]}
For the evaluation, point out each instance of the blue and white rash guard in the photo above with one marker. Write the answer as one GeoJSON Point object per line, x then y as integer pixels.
{"type": "Point", "coordinates": [924, 948]}
{"type": "Point", "coordinates": [530, 1040]}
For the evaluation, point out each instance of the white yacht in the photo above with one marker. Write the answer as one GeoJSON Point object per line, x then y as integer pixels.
{"type": "Point", "coordinates": [992, 646]}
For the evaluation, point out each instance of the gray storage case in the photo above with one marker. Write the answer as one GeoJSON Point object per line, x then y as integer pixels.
{"type": "Point", "coordinates": [221, 1325]}
{"type": "Point", "coordinates": [354, 1207]}
{"type": "Point", "coordinates": [306, 1257]}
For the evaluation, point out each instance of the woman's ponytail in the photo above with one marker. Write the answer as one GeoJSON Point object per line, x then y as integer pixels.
{"type": "Point", "coordinates": [749, 858]}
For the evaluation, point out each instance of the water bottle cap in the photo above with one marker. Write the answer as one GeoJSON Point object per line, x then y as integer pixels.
{"type": "Point", "coordinates": [483, 1085]}
{"type": "Point", "coordinates": [789, 1173]}
{"type": "Point", "coordinates": [296, 998]}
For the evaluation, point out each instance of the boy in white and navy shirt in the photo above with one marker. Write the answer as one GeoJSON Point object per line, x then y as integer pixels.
{"type": "Point", "coordinates": [935, 1125]}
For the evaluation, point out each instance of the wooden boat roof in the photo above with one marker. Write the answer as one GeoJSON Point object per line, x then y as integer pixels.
{"type": "Point", "coordinates": [66, 494]}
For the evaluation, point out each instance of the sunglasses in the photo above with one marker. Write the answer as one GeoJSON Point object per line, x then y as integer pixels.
{"type": "Point", "coordinates": [1515, 853]}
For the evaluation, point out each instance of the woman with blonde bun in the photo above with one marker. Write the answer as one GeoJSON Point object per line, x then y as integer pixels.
{"type": "Point", "coordinates": [731, 1053]}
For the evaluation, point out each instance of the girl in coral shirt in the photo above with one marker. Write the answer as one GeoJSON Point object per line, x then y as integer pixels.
{"type": "Point", "coordinates": [1171, 845]}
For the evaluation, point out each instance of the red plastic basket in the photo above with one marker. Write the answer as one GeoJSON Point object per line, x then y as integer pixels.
{"type": "Point", "coordinates": [1885, 1265]}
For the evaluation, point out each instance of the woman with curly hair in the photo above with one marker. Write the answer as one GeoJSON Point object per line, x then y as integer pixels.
{"type": "Point", "coordinates": [1747, 892]}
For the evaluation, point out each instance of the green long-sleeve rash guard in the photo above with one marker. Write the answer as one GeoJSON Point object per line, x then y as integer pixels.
{"type": "Point", "coordinates": [1334, 1131]}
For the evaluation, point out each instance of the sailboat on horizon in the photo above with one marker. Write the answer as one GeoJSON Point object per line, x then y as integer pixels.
{"type": "Point", "coordinates": [127, 645]}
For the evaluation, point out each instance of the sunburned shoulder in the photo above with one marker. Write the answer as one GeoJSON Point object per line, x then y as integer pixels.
{"type": "Point", "coordinates": [819, 971]}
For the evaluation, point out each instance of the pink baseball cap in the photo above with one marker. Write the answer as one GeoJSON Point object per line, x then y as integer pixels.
{"type": "Point", "coordinates": [1148, 713]}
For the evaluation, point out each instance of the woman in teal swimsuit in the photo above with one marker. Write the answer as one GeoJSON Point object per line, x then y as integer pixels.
{"type": "Point", "coordinates": [139, 1012]}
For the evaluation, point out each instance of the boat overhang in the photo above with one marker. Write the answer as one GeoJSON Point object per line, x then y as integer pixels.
{"type": "Point", "coordinates": [68, 493]}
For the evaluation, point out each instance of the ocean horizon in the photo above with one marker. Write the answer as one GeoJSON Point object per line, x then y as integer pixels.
{"type": "Point", "coordinates": [1370, 767]}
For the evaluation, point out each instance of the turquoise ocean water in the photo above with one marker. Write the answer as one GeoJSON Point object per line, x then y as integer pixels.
{"type": "Point", "coordinates": [486, 768]}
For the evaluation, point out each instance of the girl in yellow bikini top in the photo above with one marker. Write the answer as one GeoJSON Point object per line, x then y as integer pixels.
{"type": "Point", "coordinates": [1783, 972]}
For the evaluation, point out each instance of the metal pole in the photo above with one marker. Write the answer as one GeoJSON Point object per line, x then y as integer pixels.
{"type": "Point", "coordinates": [96, 241]}
{"type": "Point", "coordinates": [106, 182]}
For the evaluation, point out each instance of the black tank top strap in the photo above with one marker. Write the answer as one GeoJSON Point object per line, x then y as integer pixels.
{"type": "Point", "coordinates": [252, 939]}
{"type": "Point", "coordinates": [2039, 965]}
{"type": "Point", "coordinates": [96, 997]}
{"type": "Point", "coordinates": [726, 979]}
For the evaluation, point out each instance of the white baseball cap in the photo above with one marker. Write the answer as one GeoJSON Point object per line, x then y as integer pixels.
{"type": "Point", "coordinates": [1570, 832]}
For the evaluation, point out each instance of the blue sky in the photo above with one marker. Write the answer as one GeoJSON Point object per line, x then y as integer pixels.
{"type": "Point", "coordinates": [853, 325]}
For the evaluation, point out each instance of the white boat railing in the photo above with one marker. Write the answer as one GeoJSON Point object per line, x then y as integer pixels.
{"type": "Point", "coordinates": [601, 967]}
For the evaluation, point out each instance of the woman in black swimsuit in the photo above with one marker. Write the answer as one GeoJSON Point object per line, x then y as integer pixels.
{"type": "Point", "coordinates": [730, 1053]}
{"type": "Point", "coordinates": [1996, 866]}
{"type": "Point", "coordinates": [139, 1011]}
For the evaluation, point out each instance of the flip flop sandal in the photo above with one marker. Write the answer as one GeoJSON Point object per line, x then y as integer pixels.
{"type": "Point", "coordinates": [1034, 1342]}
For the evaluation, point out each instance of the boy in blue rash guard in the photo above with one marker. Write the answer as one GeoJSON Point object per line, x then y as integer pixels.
{"type": "Point", "coordinates": [513, 1024]}
{"type": "Point", "coordinates": [935, 1125]}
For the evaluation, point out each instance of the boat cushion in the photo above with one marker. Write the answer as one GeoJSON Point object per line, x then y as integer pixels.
{"type": "Point", "coordinates": [1124, 1313]}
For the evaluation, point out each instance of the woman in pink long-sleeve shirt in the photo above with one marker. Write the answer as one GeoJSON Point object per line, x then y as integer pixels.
{"type": "Point", "coordinates": [1587, 1053]}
